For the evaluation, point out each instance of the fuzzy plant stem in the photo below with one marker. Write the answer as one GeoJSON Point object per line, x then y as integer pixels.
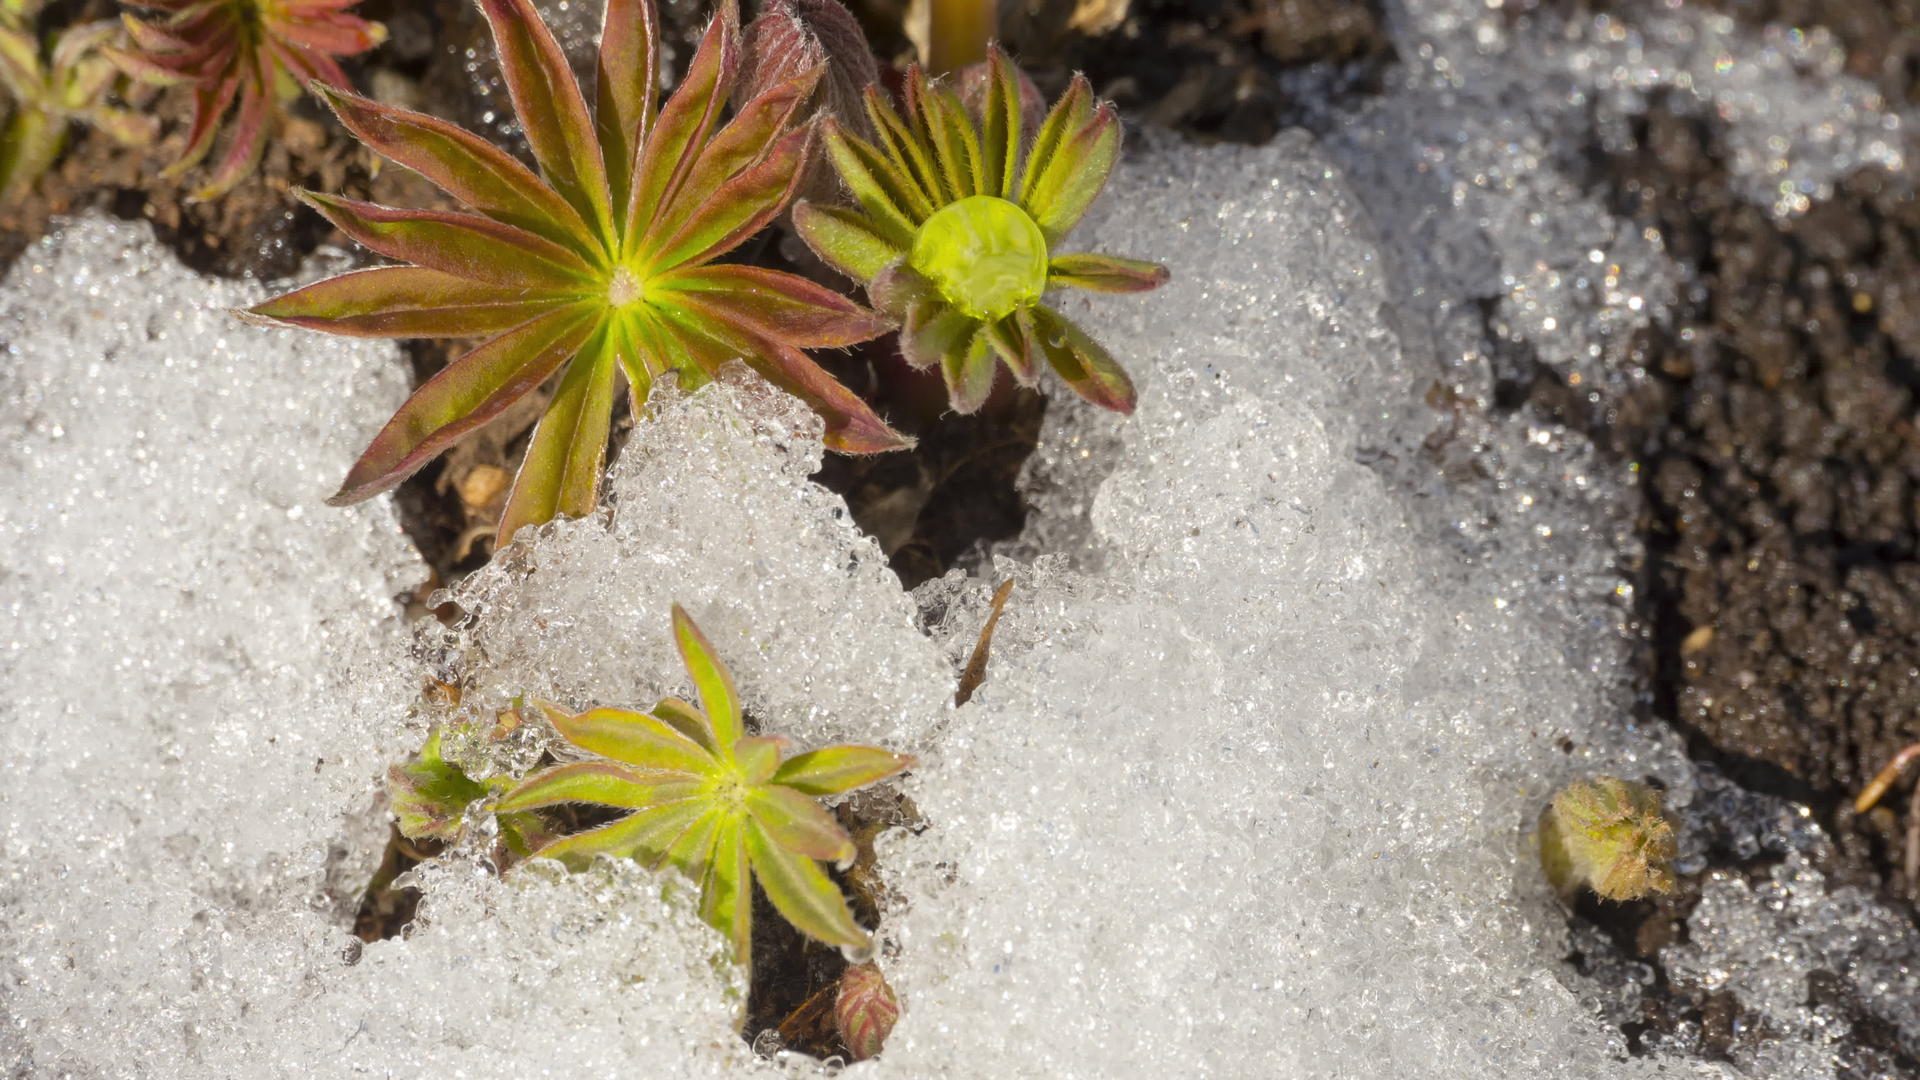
{"type": "Point", "coordinates": [958, 32]}
{"type": "Point", "coordinates": [29, 148]}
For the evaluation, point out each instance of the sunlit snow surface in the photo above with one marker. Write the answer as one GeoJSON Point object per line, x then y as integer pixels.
{"type": "Point", "coordinates": [1247, 791]}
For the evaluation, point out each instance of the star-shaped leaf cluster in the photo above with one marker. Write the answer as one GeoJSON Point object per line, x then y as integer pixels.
{"type": "Point", "coordinates": [601, 267]}
{"type": "Point", "coordinates": [725, 807]}
{"type": "Point", "coordinates": [248, 57]}
{"type": "Point", "coordinates": [959, 225]}
{"type": "Point", "coordinates": [50, 84]}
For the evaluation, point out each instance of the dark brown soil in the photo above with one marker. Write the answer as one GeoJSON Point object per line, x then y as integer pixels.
{"type": "Point", "coordinates": [1782, 463]}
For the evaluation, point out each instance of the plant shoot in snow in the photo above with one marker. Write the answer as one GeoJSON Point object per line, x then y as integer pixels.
{"type": "Point", "coordinates": [958, 232]}
{"type": "Point", "coordinates": [251, 57]}
{"type": "Point", "coordinates": [723, 806]}
{"type": "Point", "coordinates": [1609, 835]}
{"type": "Point", "coordinates": [599, 268]}
{"type": "Point", "coordinates": [53, 88]}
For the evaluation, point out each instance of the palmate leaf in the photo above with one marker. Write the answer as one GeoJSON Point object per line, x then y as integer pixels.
{"type": "Point", "coordinates": [958, 221]}
{"type": "Point", "coordinates": [598, 268]}
{"type": "Point", "coordinates": [249, 57]}
{"type": "Point", "coordinates": [724, 807]}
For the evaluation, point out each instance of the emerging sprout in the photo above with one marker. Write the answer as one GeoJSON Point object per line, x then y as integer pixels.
{"type": "Point", "coordinates": [52, 88]}
{"type": "Point", "coordinates": [723, 806]}
{"type": "Point", "coordinates": [1609, 835]}
{"type": "Point", "coordinates": [430, 796]}
{"type": "Point", "coordinates": [864, 1011]}
{"type": "Point", "coordinates": [957, 238]}
{"type": "Point", "coordinates": [601, 267]}
{"type": "Point", "coordinates": [256, 53]}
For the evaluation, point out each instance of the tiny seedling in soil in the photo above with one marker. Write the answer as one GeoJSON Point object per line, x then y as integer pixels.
{"type": "Point", "coordinates": [52, 88]}
{"type": "Point", "coordinates": [1608, 835]}
{"type": "Point", "coordinates": [600, 267]}
{"type": "Point", "coordinates": [725, 807]}
{"type": "Point", "coordinates": [959, 224]}
{"type": "Point", "coordinates": [248, 57]}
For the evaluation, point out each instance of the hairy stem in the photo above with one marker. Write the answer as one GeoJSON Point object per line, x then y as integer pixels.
{"type": "Point", "coordinates": [958, 32]}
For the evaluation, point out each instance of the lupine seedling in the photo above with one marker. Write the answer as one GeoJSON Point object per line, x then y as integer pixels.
{"type": "Point", "coordinates": [959, 227]}
{"type": "Point", "coordinates": [247, 57]}
{"type": "Point", "coordinates": [725, 807]}
{"type": "Point", "coordinates": [51, 90]}
{"type": "Point", "coordinates": [430, 796]}
{"type": "Point", "coordinates": [601, 266]}
{"type": "Point", "coordinates": [1608, 835]}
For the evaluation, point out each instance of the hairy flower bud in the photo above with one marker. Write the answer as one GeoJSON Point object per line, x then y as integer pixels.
{"type": "Point", "coordinates": [865, 1010]}
{"type": "Point", "coordinates": [1610, 835]}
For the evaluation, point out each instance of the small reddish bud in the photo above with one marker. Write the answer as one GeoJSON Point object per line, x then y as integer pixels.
{"type": "Point", "coordinates": [865, 1011]}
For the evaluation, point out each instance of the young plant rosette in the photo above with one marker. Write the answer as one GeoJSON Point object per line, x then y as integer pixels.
{"type": "Point", "coordinates": [51, 89]}
{"type": "Point", "coordinates": [258, 53]}
{"type": "Point", "coordinates": [723, 806]}
{"type": "Point", "coordinates": [957, 237]}
{"type": "Point", "coordinates": [598, 268]}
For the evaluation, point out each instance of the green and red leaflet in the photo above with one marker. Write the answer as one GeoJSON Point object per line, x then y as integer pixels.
{"type": "Point", "coordinates": [724, 807]}
{"type": "Point", "coordinates": [957, 228]}
{"type": "Point", "coordinates": [244, 57]}
{"type": "Point", "coordinates": [599, 268]}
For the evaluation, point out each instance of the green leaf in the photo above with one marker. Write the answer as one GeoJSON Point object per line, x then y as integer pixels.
{"type": "Point", "coordinates": [1068, 115]}
{"type": "Point", "coordinates": [891, 198]}
{"type": "Point", "coordinates": [799, 824]}
{"type": "Point", "coordinates": [713, 335]}
{"type": "Point", "coordinates": [552, 111]}
{"type": "Point", "coordinates": [465, 245]}
{"type": "Point", "coordinates": [631, 737]}
{"type": "Point", "coordinates": [778, 304]}
{"type": "Point", "coordinates": [646, 835]}
{"type": "Point", "coordinates": [909, 157]}
{"type": "Point", "coordinates": [466, 394]}
{"type": "Point", "coordinates": [1000, 141]}
{"type": "Point", "coordinates": [726, 894]}
{"type": "Point", "coordinates": [1015, 349]}
{"type": "Point", "coordinates": [834, 769]}
{"type": "Point", "coordinates": [969, 372]}
{"type": "Point", "coordinates": [742, 206]}
{"type": "Point", "coordinates": [600, 782]}
{"type": "Point", "coordinates": [246, 142]}
{"type": "Point", "coordinates": [757, 756]}
{"type": "Point", "coordinates": [847, 241]}
{"type": "Point", "coordinates": [561, 471]}
{"type": "Point", "coordinates": [801, 892]}
{"type": "Point", "coordinates": [407, 301]}
{"type": "Point", "coordinates": [935, 332]}
{"type": "Point", "coordinates": [898, 289]}
{"type": "Point", "coordinates": [718, 698]}
{"type": "Point", "coordinates": [692, 851]}
{"type": "Point", "coordinates": [430, 796]}
{"type": "Point", "coordinates": [464, 166]}
{"type": "Point", "coordinates": [688, 721]}
{"type": "Point", "coordinates": [673, 146]}
{"type": "Point", "coordinates": [1074, 174]}
{"type": "Point", "coordinates": [1105, 273]}
{"type": "Point", "coordinates": [628, 78]}
{"type": "Point", "coordinates": [745, 142]}
{"type": "Point", "coordinates": [1087, 368]}
{"type": "Point", "coordinates": [956, 142]}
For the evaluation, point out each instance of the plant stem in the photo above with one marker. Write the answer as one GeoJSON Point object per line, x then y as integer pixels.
{"type": "Point", "coordinates": [958, 32]}
{"type": "Point", "coordinates": [32, 143]}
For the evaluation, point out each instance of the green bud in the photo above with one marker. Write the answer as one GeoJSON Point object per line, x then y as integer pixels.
{"type": "Point", "coordinates": [1610, 835]}
{"type": "Point", "coordinates": [986, 255]}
